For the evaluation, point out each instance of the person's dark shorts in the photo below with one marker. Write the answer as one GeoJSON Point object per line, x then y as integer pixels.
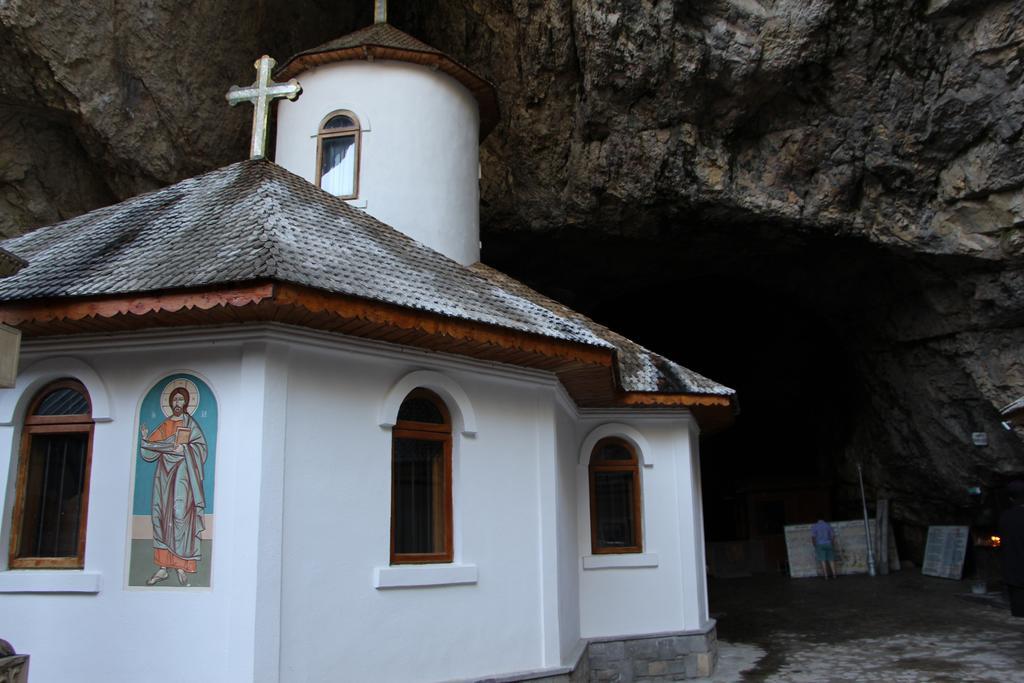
{"type": "Point", "coordinates": [824, 553]}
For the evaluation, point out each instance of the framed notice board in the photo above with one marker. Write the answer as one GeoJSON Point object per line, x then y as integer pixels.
{"type": "Point", "coordinates": [945, 551]}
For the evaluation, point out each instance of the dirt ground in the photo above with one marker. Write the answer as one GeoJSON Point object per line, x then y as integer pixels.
{"type": "Point", "coordinates": [901, 628]}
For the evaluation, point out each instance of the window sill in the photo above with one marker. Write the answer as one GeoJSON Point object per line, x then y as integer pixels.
{"type": "Point", "coordinates": [49, 581]}
{"type": "Point", "coordinates": [416, 576]}
{"type": "Point", "coordinates": [357, 203]}
{"type": "Point", "coordinates": [620, 561]}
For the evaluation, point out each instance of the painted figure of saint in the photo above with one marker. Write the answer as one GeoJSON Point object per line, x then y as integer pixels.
{"type": "Point", "coordinates": [178, 447]}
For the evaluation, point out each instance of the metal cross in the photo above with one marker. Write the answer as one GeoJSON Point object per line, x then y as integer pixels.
{"type": "Point", "coordinates": [261, 93]}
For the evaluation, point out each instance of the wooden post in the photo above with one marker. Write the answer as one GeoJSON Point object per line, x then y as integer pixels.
{"type": "Point", "coordinates": [867, 526]}
{"type": "Point", "coordinates": [882, 519]}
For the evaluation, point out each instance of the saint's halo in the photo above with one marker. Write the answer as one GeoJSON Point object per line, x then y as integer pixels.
{"type": "Point", "coordinates": [189, 386]}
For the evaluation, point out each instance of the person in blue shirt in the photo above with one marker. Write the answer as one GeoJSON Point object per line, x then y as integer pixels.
{"type": "Point", "coordinates": [823, 539]}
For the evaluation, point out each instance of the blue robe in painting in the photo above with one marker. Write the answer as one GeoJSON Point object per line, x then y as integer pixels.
{"type": "Point", "coordinates": [178, 496]}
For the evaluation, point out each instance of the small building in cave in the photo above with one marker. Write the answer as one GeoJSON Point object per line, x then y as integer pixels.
{"type": "Point", "coordinates": [278, 423]}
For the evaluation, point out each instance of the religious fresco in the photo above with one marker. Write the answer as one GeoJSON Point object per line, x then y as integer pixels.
{"type": "Point", "coordinates": [171, 539]}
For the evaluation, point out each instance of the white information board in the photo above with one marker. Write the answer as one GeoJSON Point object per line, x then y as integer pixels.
{"type": "Point", "coordinates": [850, 547]}
{"type": "Point", "coordinates": [945, 551]}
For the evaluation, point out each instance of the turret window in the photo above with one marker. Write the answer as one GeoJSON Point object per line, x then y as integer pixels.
{"type": "Point", "coordinates": [337, 154]}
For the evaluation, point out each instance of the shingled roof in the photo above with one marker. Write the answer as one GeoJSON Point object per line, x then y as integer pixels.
{"type": "Point", "coordinates": [254, 221]}
{"type": "Point", "coordinates": [384, 41]}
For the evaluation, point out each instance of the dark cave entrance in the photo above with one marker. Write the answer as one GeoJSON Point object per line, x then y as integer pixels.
{"type": "Point", "coordinates": [780, 320]}
{"type": "Point", "coordinates": [799, 395]}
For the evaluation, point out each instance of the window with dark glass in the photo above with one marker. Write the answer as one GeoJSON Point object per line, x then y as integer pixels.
{"type": "Point", "coordinates": [337, 155]}
{"type": "Point", "coordinates": [52, 487]}
{"type": "Point", "coordinates": [421, 481]}
{"type": "Point", "coordinates": [615, 498]}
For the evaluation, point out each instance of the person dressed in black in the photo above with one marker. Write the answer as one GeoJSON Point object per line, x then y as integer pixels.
{"type": "Point", "coordinates": [1011, 531]}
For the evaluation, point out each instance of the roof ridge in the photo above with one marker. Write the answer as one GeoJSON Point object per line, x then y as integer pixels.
{"type": "Point", "coordinates": [386, 27]}
{"type": "Point", "coordinates": [266, 234]}
{"type": "Point", "coordinates": [367, 36]}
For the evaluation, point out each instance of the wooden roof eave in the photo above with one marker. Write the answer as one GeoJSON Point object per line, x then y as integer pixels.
{"type": "Point", "coordinates": [714, 412]}
{"type": "Point", "coordinates": [33, 313]}
{"type": "Point", "coordinates": [304, 306]}
{"type": "Point", "coordinates": [589, 373]}
{"type": "Point", "coordinates": [481, 89]}
{"type": "Point", "coordinates": [436, 324]}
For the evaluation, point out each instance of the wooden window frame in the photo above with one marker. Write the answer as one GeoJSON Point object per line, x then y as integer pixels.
{"type": "Point", "coordinates": [51, 424]}
{"type": "Point", "coordinates": [356, 132]}
{"type": "Point", "coordinates": [425, 431]}
{"type": "Point", "coordinates": [632, 465]}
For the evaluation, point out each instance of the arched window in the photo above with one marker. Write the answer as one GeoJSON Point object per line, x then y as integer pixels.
{"type": "Point", "coordinates": [615, 525]}
{"type": "Point", "coordinates": [52, 498]}
{"type": "Point", "coordinates": [337, 155]}
{"type": "Point", "coordinates": [421, 481]}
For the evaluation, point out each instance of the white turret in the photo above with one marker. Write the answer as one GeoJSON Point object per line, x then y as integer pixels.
{"type": "Point", "coordinates": [393, 126]}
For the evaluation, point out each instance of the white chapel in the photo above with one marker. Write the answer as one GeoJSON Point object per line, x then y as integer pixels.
{"type": "Point", "coordinates": [278, 423]}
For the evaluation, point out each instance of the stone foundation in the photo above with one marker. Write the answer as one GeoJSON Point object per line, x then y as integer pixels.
{"type": "Point", "coordinates": [660, 657]}
{"type": "Point", "coordinates": [644, 659]}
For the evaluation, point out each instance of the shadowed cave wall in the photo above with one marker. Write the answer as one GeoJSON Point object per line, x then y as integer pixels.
{"type": "Point", "coordinates": [818, 203]}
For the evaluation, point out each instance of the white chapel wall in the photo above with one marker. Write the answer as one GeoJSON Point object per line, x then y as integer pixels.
{"type": "Point", "coordinates": [696, 577]}
{"type": "Point", "coordinates": [568, 435]}
{"type": "Point", "coordinates": [121, 632]}
{"type": "Point", "coordinates": [419, 162]}
{"type": "Point", "coordinates": [337, 528]}
{"type": "Point", "coordinates": [657, 590]}
{"type": "Point", "coordinates": [302, 524]}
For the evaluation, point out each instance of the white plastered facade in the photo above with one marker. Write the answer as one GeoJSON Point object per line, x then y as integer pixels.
{"type": "Point", "coordinates": [301, 585]}
{"type": "Point", "coordinates": [419, 159]}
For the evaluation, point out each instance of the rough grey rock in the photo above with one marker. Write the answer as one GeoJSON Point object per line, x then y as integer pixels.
{"type": "Point", "coordinates": [45, 175]}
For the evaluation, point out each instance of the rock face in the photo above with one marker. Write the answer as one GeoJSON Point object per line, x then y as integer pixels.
{"type": "Point", "coordinates": [103, 101]}
{"type": "Point", "coordinates": [859, 160]}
